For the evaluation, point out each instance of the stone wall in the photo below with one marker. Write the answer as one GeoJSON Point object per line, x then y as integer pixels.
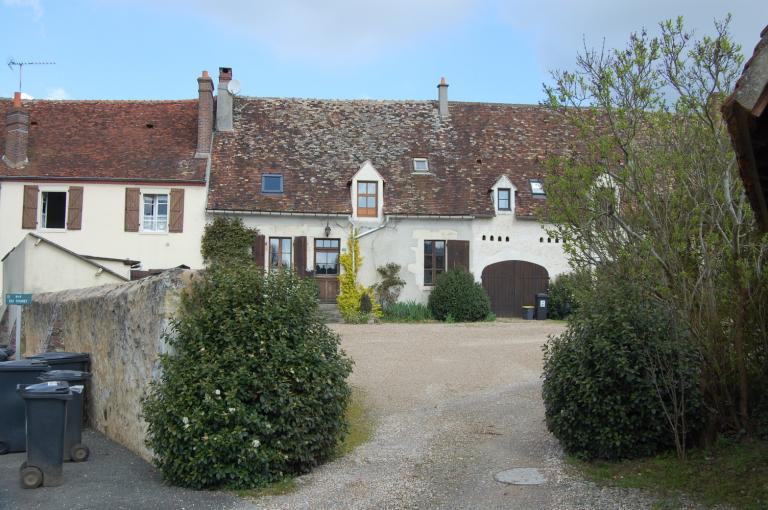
{"type": "Point", "coordinates": [122, 327]}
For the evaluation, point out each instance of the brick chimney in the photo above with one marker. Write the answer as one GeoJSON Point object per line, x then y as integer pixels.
{"type": "Point", "coordinates": [16, 134]}
{"type": "Point", "coordinates": [224, 101]}
{"type": "Point", "coordinates": [204, 115]}
{"type": "Point", "coordinates": [442, 99]}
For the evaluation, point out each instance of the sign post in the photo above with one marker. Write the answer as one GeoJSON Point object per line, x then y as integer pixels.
{"type": "Point", "coordinates": [18, 300]}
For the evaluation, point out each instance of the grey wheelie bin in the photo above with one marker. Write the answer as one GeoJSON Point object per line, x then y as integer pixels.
{"type": "Point", "coordinates": [46, 410]}
{"type": "Point", "coordinates": [12, 373]}
{"type": "Point", "coordinates": [6, 352]}
{"type": "Point", "coordinates": [74, 449]}
{"type": "Point", "coordinates": [65, 360]}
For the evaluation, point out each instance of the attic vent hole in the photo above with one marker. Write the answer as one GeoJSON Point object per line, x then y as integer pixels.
{"type": "Point", "coordinates": [150, 125]}
{"type": "Point", "coordinates": [479, 160]}
{"type": "Point", "coordinates": [34, 123]}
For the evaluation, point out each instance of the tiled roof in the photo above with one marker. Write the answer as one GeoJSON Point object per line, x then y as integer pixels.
{"type": "Point", "coordinates": [318, 145]}
{"type": "Point", "coordinates": [109, 140]}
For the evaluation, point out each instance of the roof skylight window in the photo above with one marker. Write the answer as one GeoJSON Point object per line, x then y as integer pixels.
{"type": "Point", "coordinates": [537, 187]}
{"type": "Point", "coordinates": [420, 165]}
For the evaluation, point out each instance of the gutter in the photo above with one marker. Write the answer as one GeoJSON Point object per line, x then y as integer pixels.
{"type": "Point", "coordinates": [276, 213]}
{"type": "Point", "coordinates": [386, 221]}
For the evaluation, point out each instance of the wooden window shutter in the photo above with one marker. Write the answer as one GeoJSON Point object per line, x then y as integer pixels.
{"type": "Point", "coordinates": [75, 208]}
{"type": "Point", "coordinates": [176, 221]}
{"type": "Point", "coordinates": [300, 255]}
{"type": "Point", "coordinates": [132, 199]}
{"type": "Point", "coordinates": [458, 255]}
{"type": "Point", "coordinates": [29, 209]}
{"type": "Point", "coordinates": [257, 250]}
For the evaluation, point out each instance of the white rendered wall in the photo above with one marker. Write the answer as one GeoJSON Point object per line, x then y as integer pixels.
{"type": "Point", "coordinates": [102, 231]}
{"type": "Point", "coordinates": [402, 241]}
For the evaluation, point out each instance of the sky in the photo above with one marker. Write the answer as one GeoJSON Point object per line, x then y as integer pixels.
{"type": "Point", "coordinates": [488, 50]}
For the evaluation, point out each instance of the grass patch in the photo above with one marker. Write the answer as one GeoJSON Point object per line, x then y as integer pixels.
{"type": "Point", "coordinates": [407, 311]}
{"type": "Point", "coordinates": [729, 473]}
{"type": "Point", "coordinates": [284, 486]}
{"type": "Point", "coordinates": [360, 431]}
{"type": "Point", "coordinates": [360, 424]}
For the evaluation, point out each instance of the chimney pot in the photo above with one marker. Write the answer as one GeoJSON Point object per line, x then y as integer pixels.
{"type": "Point", "coordinates": [16, 134]}
{"type": "Point", "coordinates": [442, 99]}
{"type": "Point", "coordinates": [204, 115]}
{"type": "Point", "coordinates": [224, 101]}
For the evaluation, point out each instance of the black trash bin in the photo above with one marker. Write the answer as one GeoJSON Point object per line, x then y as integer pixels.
{"type": "Point", "coordinates": [65, 360]}
{"type": "Point", "coordinates": [13, 373]}
{"type": "Point", "coordinates": [74, 449]}
{"type": "Point", "coordinates": [46, 411]}
{"type": "Point", "coordinates": [528, 313]}
{"type": "Point", "coordinates": [542, 306]}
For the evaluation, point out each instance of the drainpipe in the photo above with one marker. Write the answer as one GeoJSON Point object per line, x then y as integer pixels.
{"type": "Point", "coordinates": [358, 236]}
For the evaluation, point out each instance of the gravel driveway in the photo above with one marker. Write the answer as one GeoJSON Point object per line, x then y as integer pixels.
{"type": "Point", "coordinates": [454, 404]}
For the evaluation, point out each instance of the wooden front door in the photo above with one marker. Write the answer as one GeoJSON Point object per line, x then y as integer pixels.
{"type": "Point", "coordinates": [327, 269]}
{"type": "Point", "coordinates": [512, 284]}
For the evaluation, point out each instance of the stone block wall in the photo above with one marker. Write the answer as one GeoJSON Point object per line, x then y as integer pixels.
{"type": "Point", "coordinates": [122, 327]}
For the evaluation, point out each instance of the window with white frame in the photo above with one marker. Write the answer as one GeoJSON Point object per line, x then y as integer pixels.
{"type": "Point", "coordinates": [155, 212]}
{"type": "Point", "coordinates": [537, 187]}
{"type": "Point", "coordinates": [420, 165]}
{"type": "Point", "coordinates": [54, 209]}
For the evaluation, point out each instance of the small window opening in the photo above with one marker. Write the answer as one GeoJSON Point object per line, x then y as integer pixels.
{"type": "Point", "coordinates": [272, 183]}
{"type": "Point", "coordinates": [499, 238]}
{"type": "Point", "coordinates": [150, 125]}
{"type": "Point", "coordinates": [34, 123]}
{"type": "Point", "coordinates": [54, 209]}
{"type": "Point", "coordinates": [491, 238]}
{"type": "Point", "coordinates": [479, 160]}
{"type": "Point", "coordinates": [420, 165]}
{"type": "Point", "coordinates": [483, 237]}
{"type": "Point", "coordinates": [541, 239]}
{"type": "Point", "coordinates": [549, 239]}
{"type": "Point", "coordinates": [507, 238]}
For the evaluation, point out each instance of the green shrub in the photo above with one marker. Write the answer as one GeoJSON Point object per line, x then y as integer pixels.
{"type": "Point", "coordinates": [256, 390]}
{"type": "Point", "coordinates": [457, 294]}
{"type": "Point", "coordinates": [226, 240]}
{"type": "Point", "coordinates": [365, 303]}
{"type": "Point", "coordinates": [407, 311]}
{"type": "Point", "coordinates": [606, 377]}
{"type": "Point", "coordinates": [561, 296]}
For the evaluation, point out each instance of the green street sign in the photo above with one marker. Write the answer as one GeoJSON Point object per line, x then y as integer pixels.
{"type": "Point", "coordinates": [18, 299]}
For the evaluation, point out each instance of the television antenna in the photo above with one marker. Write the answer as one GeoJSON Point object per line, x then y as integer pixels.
{"type": "Point", "coordinates": [13, 62]}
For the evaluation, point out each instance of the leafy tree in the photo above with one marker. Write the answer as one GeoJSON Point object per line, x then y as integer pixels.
{"type": "Point", "coordinates": [650, 191]}
{"type": "Point", "coordinates": [226, 240]}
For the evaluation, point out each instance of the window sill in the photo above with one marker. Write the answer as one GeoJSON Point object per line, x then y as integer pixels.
{"type": "Point", "coordinates": [423, 173]}
{"type": "Point", "coordinates": [153, 232]}
{"type": "Point", "coordinates": [49, 230]}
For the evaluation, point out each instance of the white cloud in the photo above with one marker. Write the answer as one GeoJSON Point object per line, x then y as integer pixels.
{"type": "Point", "coordinates": [57, 93]}
{"type": "Point", "coordinates": [37, 9]}
{"type": "Point", "coordinates": [328, 31]}
{"type": "Point", "coordinates": [559, 29]}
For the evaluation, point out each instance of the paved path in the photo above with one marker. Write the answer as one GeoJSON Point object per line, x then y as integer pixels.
{"type": "Point", "coordinates": [112, 479]}
{"type": "Point", "coordinates": [454, 405]}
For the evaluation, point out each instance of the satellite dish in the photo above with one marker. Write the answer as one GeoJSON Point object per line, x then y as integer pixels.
{"type": "Point", "coordinates": [233, 87]}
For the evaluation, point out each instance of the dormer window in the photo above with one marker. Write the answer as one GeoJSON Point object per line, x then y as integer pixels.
{"type": "Point", "coordinates": [504, 199]}
{"type": "Point", "coordinates": [272, 183]}
{"type": "Point", "coordinates": [537, 187]}
{"type": "Point", "coordinates": [420, 165]}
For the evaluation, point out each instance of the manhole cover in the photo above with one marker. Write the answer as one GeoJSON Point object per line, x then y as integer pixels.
{"type": "Point", "coordinates": [521, 476]}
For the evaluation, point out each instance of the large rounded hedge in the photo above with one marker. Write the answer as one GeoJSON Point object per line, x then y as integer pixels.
{"type": "Point", "coordinates": [457, 295]}
{"type": "Point", "coordinates": [606, 377]}
{"type": "Point", "coordinates": [256, 389]}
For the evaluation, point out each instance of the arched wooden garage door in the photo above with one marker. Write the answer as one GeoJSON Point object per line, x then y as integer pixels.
{"type": "Point", "coordinates": [513, 283]}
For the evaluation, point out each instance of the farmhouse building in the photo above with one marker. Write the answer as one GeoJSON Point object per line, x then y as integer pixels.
{"type": "Point", "coordinates": [430, 185]}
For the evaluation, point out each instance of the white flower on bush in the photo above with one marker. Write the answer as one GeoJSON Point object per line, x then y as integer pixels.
{"type": "Point", "coordinates": [231, 409]}
{"type": "Point", "coordinates": [255, 443]}
{"type": "Point", "coordinates": [185, 420]}
{"type": "Point", "coordinates": [217, 392]}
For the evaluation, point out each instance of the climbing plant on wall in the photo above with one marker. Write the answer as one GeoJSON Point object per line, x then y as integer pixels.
{"type": "Point", "coordinates": [350, 290]}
